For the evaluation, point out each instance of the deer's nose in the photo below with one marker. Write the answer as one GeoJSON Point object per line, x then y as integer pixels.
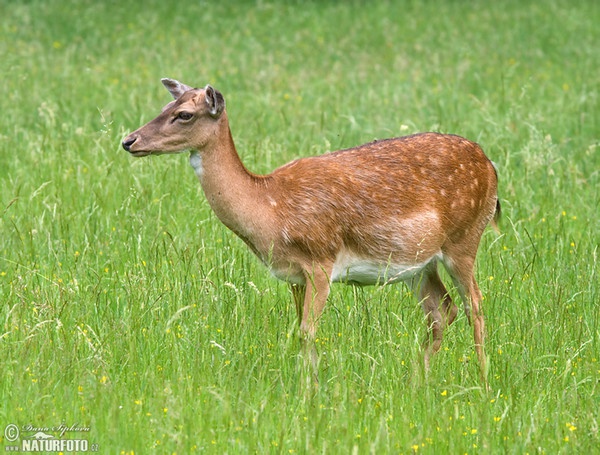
{"type": "Point", "coordinates": [128, 142]}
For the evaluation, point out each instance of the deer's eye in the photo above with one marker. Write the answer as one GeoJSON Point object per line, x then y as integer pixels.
{"type": "Point", "coordinates": [183, 115]}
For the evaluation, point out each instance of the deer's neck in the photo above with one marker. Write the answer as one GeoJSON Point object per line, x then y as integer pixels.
{"type": "Point", "coordinates": [235, 194]}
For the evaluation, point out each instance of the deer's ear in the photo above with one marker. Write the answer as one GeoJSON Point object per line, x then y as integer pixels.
{"type": "Point", "coordinates": [214, 101]}
{"type": "Point", "coordinates": [174, 87]}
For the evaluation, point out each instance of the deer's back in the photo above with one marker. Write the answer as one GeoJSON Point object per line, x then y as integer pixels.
{"type": "Point", "coordinates": [402, 196]}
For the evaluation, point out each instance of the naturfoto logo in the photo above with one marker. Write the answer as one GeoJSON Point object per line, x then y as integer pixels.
{"type": "Point", "coordinates": [47, 439]}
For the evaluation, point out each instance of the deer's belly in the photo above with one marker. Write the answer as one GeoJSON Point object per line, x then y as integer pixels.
{"type": "Point", "coordinates": [353, 270]}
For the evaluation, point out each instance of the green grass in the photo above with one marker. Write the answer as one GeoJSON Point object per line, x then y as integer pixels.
{"type": "Point", "coordinates": [127, 308]}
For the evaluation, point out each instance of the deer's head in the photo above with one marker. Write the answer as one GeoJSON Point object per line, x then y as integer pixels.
{"type": "Point", "coordinates": [188, 123]}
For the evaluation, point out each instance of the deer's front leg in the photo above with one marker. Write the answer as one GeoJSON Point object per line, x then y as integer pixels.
{"type": "Point", "coordinates": [298, 292]}
{"type": "Point", "coordinates": [310, 305]}
{"type": "Point", "coordinates": [315, 298]}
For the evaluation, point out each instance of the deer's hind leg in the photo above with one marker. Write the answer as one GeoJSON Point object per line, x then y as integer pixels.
{"type": "Point", "coordinates": [440, 311]}
{"type": "Point", "coordinates": [461, 269]}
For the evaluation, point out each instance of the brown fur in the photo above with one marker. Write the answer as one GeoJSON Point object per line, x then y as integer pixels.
{"type": "Point", "coordinates": [407, 202]}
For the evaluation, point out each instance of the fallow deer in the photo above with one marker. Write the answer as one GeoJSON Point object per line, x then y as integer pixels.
{"type": "Point", "coordinates": [379, 213]}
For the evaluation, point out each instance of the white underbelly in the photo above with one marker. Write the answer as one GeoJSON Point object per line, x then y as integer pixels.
{"type": "Point", "coordinates": [351, 269]}
{"type": "Point", "coordinates": [354, 270]}
{"type": "Point", "coordinates": [290, 274]}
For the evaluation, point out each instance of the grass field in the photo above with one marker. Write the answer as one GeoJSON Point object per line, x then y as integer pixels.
{"type": "Point", "coordinates": [127, 309]}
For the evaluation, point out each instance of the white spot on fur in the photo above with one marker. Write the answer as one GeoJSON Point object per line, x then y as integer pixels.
{"type": "Point", "coordinates": [286, 236]}
{"type": "Point", "coordinates": [196, 163]}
